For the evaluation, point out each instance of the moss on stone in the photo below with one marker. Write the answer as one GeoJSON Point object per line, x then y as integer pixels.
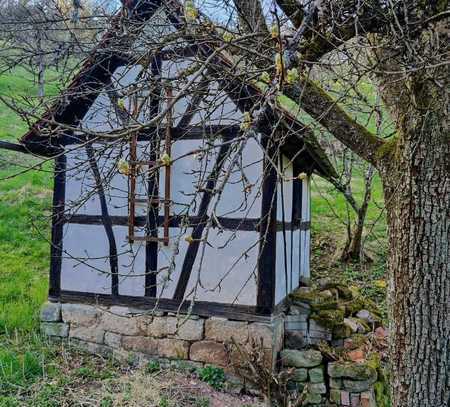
{"type": "Point", "coordinates": [382, 396]}
{"type": "Point", "coordinates": [329, 318]}
{"type": "Point", "coordinates": [358, 340]}
{"type": "Point", "coordinates": [350, 370]}
{"type": "Point", "coordinates": [341, 332]}
{"type": "Point", "coordinates": [316, 299]}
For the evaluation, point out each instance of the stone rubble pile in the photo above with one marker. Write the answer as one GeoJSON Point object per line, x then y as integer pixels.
{"type": "Point", "coordinates": [331, 339]}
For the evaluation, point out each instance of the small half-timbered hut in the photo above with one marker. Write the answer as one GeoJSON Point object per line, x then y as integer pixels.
{"type": "Point", "coordinates": [161, 197]}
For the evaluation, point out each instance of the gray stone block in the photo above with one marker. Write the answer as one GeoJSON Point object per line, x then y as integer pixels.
{"type": "Point", "coordinates": [318, 388]}
{"type": "Point", "coordinates": [349, 370]}
{"type": "Point", "coordinates": [316, 375]}
{"type": "Point", "coordinates": [300, 308]}
{"type": "Point", "coordinates": [296, 326]}
{"type": "Point", "coordinates": [121, 324]}
{"type": "Point", "coordinates": [190, 329]}
{"type": "Point", "coordinates": [300, 317]}
{"type": "Point", "coordinates": [220, 330]}
{"type": "Point", "coordinates": [336, 383]}
{"type": "Point", "coordinates": [297, 358]}
{"type": "Point", "coordinates": [312, 398]}
{"type": "Point", "coordinates": [141, 344]}
{"type": "Point", "coordinates": [335, 396]}
{"type": "Point", "coordinates": [51, 312]}
{"type": "Point", "coordinates": [295, 340]}
{"type": "Point", "coordinates": [300, 375]}
{"type": "Point", "coordinates": [79, 314]}
{"type": "Point", "coordinates": [93, 348]}
{"type": "Point", "coordinates": [261, 332]}
{"type": "Point", "coordinates": [355, 400]}
{"type": "Point", "coordinates": [87, 334]}
{"type": "Point", "coordinates": [322, 335]}
{"type": "Point", "coordinates": [113, 340]}
{"type": "Point", "coordinates": [358, 385]}
{"type": "Point", "coordinates": [316, 327]}
{"type": "Point", "coordinates": [59, 329]}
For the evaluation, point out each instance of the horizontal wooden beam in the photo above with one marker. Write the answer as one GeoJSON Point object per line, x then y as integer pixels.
{"type": "Point", "coordinates": [249, 224]}
{"type": "Point", "coordinates": [201, 308]}
{"type": "Point", "coordinates": [14, 147]}
{"type": "Point", "coordinates": [177, 133]}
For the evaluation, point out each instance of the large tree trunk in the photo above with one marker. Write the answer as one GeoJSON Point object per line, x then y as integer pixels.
{"type": "Point", "coordinates": [417, 193]}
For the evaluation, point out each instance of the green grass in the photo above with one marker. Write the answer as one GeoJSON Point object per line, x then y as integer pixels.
{"type": "Point", "coordinates": [25, 203]}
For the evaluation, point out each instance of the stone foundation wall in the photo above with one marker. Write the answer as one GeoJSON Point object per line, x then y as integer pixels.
{"type": "Point", "coordinates": [325, 340]}
{"type": "Point", "coordinates": [126, 332]}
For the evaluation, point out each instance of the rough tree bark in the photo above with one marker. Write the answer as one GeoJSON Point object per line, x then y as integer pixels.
{"type": "Point", "coordinates": [414, 169]}
{"type": "Point", "coordinates": [417, 193]}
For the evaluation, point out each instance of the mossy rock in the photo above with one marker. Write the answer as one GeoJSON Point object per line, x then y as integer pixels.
{"type": "Point", "coordinates": [341, 331]}
{"type": "Point", "coordinates": [329, 318]}
{"type": "Point", "coordinates": [337, 288]}
{"type": "Point", "coordinates": [354, 371]}
{"type": "Point", "coordinates": [358, 340]}
{"type": "Point", "coordinates": [344, 293]}
{"type": "Point", "coordinates": [352, 307]}
{"type": "Point", "coordinates": [374, 361]}
{"type": "Point", "coordinates": [316, 299]}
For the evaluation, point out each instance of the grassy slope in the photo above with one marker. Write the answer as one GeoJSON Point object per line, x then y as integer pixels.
{"type": "Point", "coordinates": [25, 203]}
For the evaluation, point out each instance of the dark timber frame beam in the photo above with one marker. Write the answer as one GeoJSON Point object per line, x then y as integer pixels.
{"type": "Point", "coordinates": [56, 250]}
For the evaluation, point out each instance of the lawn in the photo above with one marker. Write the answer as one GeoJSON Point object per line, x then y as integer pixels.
{"type": "Point", "coordinates": [25, 204]}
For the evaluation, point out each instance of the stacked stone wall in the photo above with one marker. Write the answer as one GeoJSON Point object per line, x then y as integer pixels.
{"type": "Point", "coordinates": [125, 332]}
{"type": "Point", "coordinates": [329, 347]}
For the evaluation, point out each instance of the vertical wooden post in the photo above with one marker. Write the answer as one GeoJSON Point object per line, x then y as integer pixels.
{"type": "Point", "coordinates": [132, 188]}
{"type": "Point", "coordinates": [268, 232]}
{"type": "Point", "coordinates": [59, 194]}
{"type": "Point", "coordinates": [167, 178]}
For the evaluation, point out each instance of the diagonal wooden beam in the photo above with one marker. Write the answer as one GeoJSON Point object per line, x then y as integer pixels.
{"type": "Point", "coordinates": [197, 233]}
{"type": "Point", "coordinates": [106, 220]}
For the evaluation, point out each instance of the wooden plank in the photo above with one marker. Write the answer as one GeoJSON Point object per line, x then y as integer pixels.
{"type": "Point", "coordinates": [177, 134]}
{"type": "Point", "coordinates": [151, 248]}
{"type": "Point", "coordinates": [59, 195]}
{"type": "Point", "coordinates": [150, 239]}
{"type": "Point", "coordinates": [265, 298]}
{"type": "Point", "coordinates": [200, 308]}
{"type": "Point", "coordinates": [248, 224]}
{"type": "Point", "coordinates": [132, 188]}
{"type": "Point", "coordinates": [168, 168]}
